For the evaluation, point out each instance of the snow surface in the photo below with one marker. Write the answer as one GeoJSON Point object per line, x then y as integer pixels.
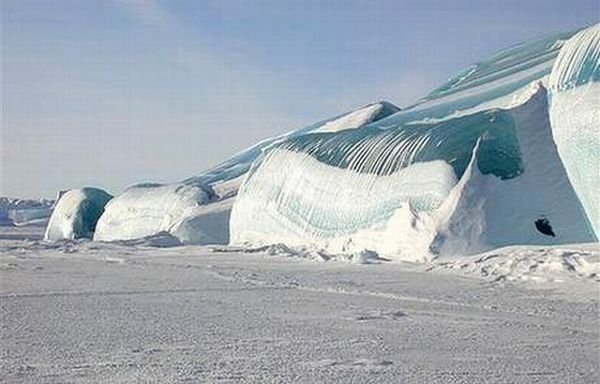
{"type": "Point", "coordinates": [352, 120]}
{"type": "Point", "coordinates": [81, 311]}
{"type": "Point", "coordinates": [76, 214]}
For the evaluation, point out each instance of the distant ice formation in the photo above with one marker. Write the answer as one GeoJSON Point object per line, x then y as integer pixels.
{"type": "Point", "coordinates": [25, 212]}
{"type": "Point", "coordinates": [76, 214]}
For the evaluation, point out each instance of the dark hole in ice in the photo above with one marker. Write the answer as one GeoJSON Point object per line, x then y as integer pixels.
{"type": "Point", "coordinates": [543, 225]}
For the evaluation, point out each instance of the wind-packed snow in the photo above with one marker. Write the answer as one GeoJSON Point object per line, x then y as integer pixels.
{"type": "Point", "coordinates": [197, 210]}
{"type": "Point", "coordinates": [76, 214]}
{"type": "Point", "coordinates": [81, 311]}
{"type": "Point", "coordinates": [575, 116]}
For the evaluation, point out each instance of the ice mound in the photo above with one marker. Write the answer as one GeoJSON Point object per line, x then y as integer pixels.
{"type": "Point", "coordinates": [145, 210]}
{"type": "Point", "coordinates": [460, 186]}
{"type": "Point", "coordinates": [197, 210]}
{"type": "Point", "coordinates": [76, 214]}
{"type": "Point", "coordinates": [575, 116]}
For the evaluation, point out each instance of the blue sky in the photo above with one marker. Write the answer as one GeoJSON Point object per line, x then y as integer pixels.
{"type": "Point", "coordinates": [114, 92]}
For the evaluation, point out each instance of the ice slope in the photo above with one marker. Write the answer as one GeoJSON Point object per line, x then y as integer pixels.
{"type": "Point", "coordinates": [490, 212]}
{"type": "Point", "coordinates": [493, 83]}
{"type": "Point", "coordinates": [197, 210]}
{"type": "Point", "coordinates": [488, 172]}
{"type": "Point", "coordinates": [575, 116]}
{"type": "Point", "coordinates": [76, 214]}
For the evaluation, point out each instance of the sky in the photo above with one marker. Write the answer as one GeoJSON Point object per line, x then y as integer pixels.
{"type": "Point", "coordinates": [116, 92]}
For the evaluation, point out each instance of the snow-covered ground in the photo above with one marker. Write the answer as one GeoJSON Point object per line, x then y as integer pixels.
{"type": "Point", "coordinates": [82, 311]}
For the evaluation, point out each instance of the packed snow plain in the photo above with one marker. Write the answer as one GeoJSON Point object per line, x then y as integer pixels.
{"type": "Point", "coordinates": [90, 312]}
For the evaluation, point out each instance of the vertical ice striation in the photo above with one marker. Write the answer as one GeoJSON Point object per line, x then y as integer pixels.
{"type": "Point", "coordinates": [578, 62]}
{"type": "Point", "coordinates": [239, 164]}
{"type": "Point", "coordinates": [575, 116]}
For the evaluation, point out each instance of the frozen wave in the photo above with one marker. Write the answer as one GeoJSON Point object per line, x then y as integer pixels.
{"type": "Point", "coordinates": [480, 185]}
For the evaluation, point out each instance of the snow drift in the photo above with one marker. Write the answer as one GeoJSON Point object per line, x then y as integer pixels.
{"type": "Point", "coordinates": [76, 214]}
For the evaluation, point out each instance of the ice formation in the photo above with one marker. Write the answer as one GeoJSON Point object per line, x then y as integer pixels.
{"type": "Point", "coordinates": [76, 214]}
{"type": "Point", "coordinates": [471, 167]}
{"type": "Point", "coordinates": [504, 153]}
{"type": "Point", "coordinates": [197, 210]}
{"type": "Point", "coordinates": [575, 116]}
{"type": "Point", "coordinates": [146, 210]}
